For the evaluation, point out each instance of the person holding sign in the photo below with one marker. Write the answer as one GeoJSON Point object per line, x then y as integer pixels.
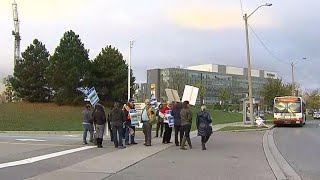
{"type": "Point", "coordinates": [177, 123]}
{"type": "Point", "coordinates": [203, 125]}
{"type": "Point", "coordinates": [117, 118]}
{"type": "Point", "coordinates": [126, 109]}
{"type": "Point", "coordinates": [99, 119]}
{"type": "Point", "coordinates": [147, 117]}
{"type": "Point", "coordinates": [186, 122]}
{"type": "Point", "coordinates": [168, 130]}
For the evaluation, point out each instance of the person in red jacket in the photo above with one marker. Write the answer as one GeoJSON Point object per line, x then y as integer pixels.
{"type": "Point", "coordinates": [168, 130]}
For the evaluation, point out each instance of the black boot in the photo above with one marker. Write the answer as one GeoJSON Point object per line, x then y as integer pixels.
{"type": "Point", "coordinates": [204, 146]}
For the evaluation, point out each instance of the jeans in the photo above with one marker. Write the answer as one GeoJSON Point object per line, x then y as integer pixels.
{"type": "Point", "coordinates": [117, 132]}
{"type": "Point", "coordinates": [177, 130]}
{"type": "Point", "coordinates": [86, 128]}
{"type": "Point", "coordinates": [159, 125]}
{"type": "Point", "coordinates": [167, 133]}
{"type": "Point", "coordinates": [147, 127]}
{"type": "Point", "coordinates": [127, 134]}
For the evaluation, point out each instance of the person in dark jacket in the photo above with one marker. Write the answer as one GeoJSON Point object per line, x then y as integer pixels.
{"type": "Point", "coordinates": [186, 122]}
{"type": "Point", "coordinates": [203, 125]}
{"type": "Point", "coordinates": [87, 124]}
{"type": "Point", "coordinates": [99, 119]}
{"type": "Point", "coordinates": [159, 122]}
{"type": "Point", "coordinates": [126, 109]}
{"type": "Point", "coordinates": [116, 120]}
{"type": "Point", "coordinates": [177, 122]}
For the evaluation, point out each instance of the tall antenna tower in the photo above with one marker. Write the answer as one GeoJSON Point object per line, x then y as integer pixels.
{"type": "Point", "coordinates": [16, 33]}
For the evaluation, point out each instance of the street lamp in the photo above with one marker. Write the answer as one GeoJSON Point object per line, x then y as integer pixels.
{"type": "Point", "coordinates": [129, 70]}
{"type": "Point", "coordinates": [248, 59]}
{"type": "Point", "coordinates": [292, 74]}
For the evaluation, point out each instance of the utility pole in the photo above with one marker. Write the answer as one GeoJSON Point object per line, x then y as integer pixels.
{"type": "Point", "coordinates": [249, 70]}
{"type": "Point", "coordinates": [129, 70]}
{"type": "Point", "coordinates": [16, 33]}
{"type": "Point", "coordinates": [246, 17]}
{"type": "Point", "coordinates": [292, 76]}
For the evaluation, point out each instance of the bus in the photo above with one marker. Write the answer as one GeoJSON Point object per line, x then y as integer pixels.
{"type": "Point", "coordinates": [289, 110]}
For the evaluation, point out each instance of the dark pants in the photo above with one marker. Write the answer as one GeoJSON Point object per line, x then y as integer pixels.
{"type": "Point", "coordinates": [117, 132]}
{"type": "Point", "coordinates": [86, 128]}
{"type": "Point", "coordinates": [127, 134]}
{"type": "Point", "coordinates": [167, 133]}
{"type": "Point", "coordinates": [177, 130]}
{"type": "Point", "coordinates": [204, 139]}
{"type": "Point", "coordinates": [159, 125]}
{"type": "Point", "coordinates": [186, 134]}
{"type": "Point", "coordinates": [147, 127]}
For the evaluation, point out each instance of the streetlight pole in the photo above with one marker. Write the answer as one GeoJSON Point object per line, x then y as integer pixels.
{"type": "Point", "coordinates": [292, 74]}
{"type": "Point", "coordinates": [249, 61]}
{"type": "Point", "coordinates": [129, 70]}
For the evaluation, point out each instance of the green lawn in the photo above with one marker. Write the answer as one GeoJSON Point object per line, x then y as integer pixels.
{"type": "Point", "coordinates": [39, 117]}
{"type": "Point", "coordinates": [237, 128]}
{"type": "Point", "coordinates": [218, 117]}
{"type": "Point", "coordinates": [50, 117]}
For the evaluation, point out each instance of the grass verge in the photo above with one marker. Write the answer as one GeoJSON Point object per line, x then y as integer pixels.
{"type": "Point", "coordinates": [242, 128]}
{"type": "Point", "coordinates": [22, 116]}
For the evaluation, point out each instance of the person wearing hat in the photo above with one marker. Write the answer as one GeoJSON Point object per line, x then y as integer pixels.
{"type": "Point", "coordinates": [126, 109]}
{"type": "Point", "coordinates": [87, 124]}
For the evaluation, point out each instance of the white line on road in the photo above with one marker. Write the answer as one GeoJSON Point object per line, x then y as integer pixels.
{"type": "Point", "coordinates": [35, 140]}
{"type": "Point", "coordinates": [43, 157]}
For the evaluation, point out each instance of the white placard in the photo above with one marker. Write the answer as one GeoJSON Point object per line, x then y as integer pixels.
{"type": "Point", "coordinates": [172, 95]}
{"type": "Point", "coordinates": [190, 94]}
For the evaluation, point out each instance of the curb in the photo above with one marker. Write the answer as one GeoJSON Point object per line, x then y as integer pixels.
{"type": "Point", "coordinates": [280, 167]}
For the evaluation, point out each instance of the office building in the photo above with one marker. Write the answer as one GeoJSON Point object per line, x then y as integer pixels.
{"type": "Point", "coordinates": [214, 78]}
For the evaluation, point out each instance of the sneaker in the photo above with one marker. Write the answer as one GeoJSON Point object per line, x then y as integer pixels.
{"type": "Point", "coordinates": [127, 144]}
{"type": "Point", "coordinates": [121, 147]}
{"type": "Point", "coordinates": [134, 143]}
{"type": "Point", "coordinates": [85, 143]}
{"type": "Point", "coordinates": [148, 144]}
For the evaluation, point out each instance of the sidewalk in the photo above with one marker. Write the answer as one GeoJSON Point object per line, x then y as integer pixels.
{"type": "Point", "coordinates": [229, 156]}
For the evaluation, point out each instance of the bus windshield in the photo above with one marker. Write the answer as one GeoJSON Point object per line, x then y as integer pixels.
{"type": "Point", "coordinates": [287, 107]}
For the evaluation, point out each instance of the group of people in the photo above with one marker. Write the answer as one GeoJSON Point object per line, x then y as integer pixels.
{"type": "Point", "coordinates": [120, 126]}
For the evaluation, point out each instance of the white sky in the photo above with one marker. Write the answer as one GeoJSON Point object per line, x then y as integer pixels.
{"type": "Point", "coordinates": [170, 33]}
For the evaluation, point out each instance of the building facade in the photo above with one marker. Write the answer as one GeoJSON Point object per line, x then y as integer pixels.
{"type": "Point", "coordinates": [212, 77]}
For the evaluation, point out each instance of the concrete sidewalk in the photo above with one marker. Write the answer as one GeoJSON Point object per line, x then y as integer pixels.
{"type": "Point", "coordinates": [229, 156]}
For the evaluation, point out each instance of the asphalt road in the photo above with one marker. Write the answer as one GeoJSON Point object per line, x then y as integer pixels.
{"type": "Point", "coordinates": [300, 147]}
{"type": "Point", "coordinates": [17, 147]}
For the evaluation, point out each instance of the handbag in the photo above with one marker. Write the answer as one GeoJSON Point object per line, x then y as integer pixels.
{"type": "Point", "coordinates": [209, 130]}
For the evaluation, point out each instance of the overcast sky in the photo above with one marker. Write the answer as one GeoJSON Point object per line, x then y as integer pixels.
{"type": "Point", "coordinates": [169, 33]}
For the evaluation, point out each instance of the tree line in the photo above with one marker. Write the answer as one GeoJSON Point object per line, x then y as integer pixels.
{"type": "Point", "coordinates": [41, 77]}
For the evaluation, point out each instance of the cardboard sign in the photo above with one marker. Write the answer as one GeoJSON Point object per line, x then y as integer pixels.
{"type": "Point", "coordinates": [169, 118]}
{"type": "Point", "coordinates": [190, 94]}
{"type": "Point", "coordinates": [93, 96]}
{"type": "Point", "coordinates": [172, 95]}
{"type": "Point", "coordinates": [134, 117]}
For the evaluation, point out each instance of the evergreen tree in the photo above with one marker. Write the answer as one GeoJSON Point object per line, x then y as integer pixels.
{"type": "Point", "coordinates": [29, 81]}
{"type": "Point", "coordinates": [110, 75]}
{"type": "Point", "coordinates": [68, 67]}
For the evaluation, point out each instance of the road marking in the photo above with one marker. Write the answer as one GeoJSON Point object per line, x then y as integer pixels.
{"type": "Point", "coordinates": [71, 135]}
{"type": "Point", "coordinates": [35, 140]}
{"type": "Point", "coordinates": [43, 157]}
{"type": "Point", "coordinates": [41, 144]}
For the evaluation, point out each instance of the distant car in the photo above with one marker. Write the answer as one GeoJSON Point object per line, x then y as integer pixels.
{"type": "Point", "coordinates": [316, 115]}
